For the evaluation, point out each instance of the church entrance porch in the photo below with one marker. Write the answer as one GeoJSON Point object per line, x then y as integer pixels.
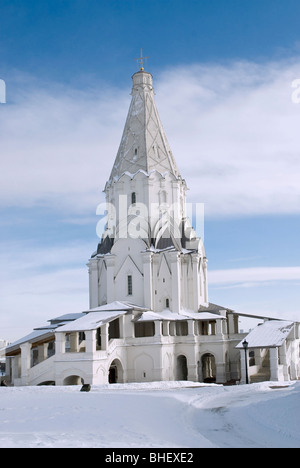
{"type": "Point", "coordinates": [208, 368]}
{"type": "Point", "coordinates": [115, 373]}
{"type": "Point", "coordinates": [181, 369]}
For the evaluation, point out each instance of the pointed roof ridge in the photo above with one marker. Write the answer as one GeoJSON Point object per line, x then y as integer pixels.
{"type": "Point", "coordinates": [144, 145]}
{"type": "Point", "coordinates": [142, 171]}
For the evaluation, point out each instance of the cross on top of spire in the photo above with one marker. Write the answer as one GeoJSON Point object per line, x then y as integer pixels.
{"type": "Point", "coordinates": [141, 60]}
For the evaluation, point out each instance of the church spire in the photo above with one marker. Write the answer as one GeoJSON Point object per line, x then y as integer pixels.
{"type": "Point", "coordinates": [144, 145]}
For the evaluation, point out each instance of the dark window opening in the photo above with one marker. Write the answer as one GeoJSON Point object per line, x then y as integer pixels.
{"type": "Point", "coordinates": [129, 285]}
{"type": "Point", "coordinates": [181, 328]}
{"type": "Point", "coordinates": [143, 329]}
{"type": "Point", "coordinates": [98, 338]}
{"type": "Point", "coordinates": [114, 329]}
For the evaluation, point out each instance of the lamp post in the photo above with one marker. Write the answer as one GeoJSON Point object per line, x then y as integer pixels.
{"type": "Point", "coordinates": [245, 345]}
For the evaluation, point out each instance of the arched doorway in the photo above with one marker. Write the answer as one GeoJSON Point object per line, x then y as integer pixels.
{"type": "Point", "coordinates": [182, 370]}
{"type": "Point", "coordinates": [208, 368]}
{"type": "Point", "coordinates": [115, 373]}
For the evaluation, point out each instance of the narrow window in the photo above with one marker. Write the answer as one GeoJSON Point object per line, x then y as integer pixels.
{"type": "Point", "coordinates": [129, 285]}
{"type": "Point", "coordinates": [133, 198]}
{"type": "Point", "coordinates": [167, 303]}
{"type": "Point", "coordinates": [252, 358]}
{"type": "Point", "coordinates": [98, 339]}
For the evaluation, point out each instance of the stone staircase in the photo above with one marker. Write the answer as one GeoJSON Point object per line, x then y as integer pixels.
{"type": "Point", "coordinates": [264, 372]}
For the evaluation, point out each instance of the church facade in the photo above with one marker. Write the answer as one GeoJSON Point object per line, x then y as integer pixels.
{"type": "Point", "coordinates": [149, 316]}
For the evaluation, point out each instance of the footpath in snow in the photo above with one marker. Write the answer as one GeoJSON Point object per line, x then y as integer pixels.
{"type": "Point", "coordinates": [152, 415]}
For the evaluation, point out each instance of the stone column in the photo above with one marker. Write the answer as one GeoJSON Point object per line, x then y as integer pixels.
{"type": "Point", "coordinates": [191, 328]}
{"type": "Point", "coordinates": [294, 359]}
{"type": "Point", "coordinates": [90, 341]}
{"type": "Point", "coordinates": [274, 364]}
{"type": "Point", "coordinates": [243, 366]}
{"type": "Point", "coordinates": [157, 325]}
{"type": "Point", "coordinates": [25, 362]}
{"type": "Point", "coordinates": [104, 337]}
{"type": "Point", "coordinates": [60, 343]}
{"type": "Point", "coordinates": [15, 367]}
{"type": "Point", "coordinates": [74, 342]}
{"type": "Point", "coordinates": [283, 361]}
{"type": "Point", "coordinates": [219, 327]}
{"type": "Point", "coordinates": [42, 352]}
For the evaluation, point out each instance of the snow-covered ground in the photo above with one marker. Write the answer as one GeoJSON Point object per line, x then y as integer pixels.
{"type": "Point", "coordinates": [156, 415]}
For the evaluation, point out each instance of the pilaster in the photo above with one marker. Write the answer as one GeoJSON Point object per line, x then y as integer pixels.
{"type": "Point", "coordinates": [148, 282]}
{"type": "Point", "coordinates": [110, 263]}
{"type": "Point", "coordinates": [176, 276]}
{"type": "Point", "coordinates": [196, 280]}
{"type": "Point", "coordinates": [93, 283]}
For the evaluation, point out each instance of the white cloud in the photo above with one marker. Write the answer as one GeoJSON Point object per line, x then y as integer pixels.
{"type": "Point", "coordinates": [234, 131]}
{"type": "Point", "coordinates": [56, 145]}
{"type": "Point", "coordinates": [249, 277]}
{"type": "Point", "coordinates": [38, 284]}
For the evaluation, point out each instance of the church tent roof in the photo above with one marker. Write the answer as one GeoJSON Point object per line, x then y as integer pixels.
{"type": "Point", "coordinates": [144, 145]}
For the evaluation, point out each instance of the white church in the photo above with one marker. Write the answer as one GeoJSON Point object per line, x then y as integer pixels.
{"type": "Point", "coordinates": [149, 316]}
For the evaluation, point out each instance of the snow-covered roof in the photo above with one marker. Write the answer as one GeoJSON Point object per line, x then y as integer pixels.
{"type": "Point", "coordinates": [33, 337]}
{"type": "Point", "coordinates": [214, 308]}
{"type": "Point", "coordinates": [270, 334]}
{"type": "Point", "coordinates": [184, 315]}
{"type": "Point", "coordinates": [91, 321]}
{"type": "Point", "coordinates": [116, 305]}
{"type": "Point", "coordinates": [267, 315]}
{"type": "Point", "coordinates": [66, 317]}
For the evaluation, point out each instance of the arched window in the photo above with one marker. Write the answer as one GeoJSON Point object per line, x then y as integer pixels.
{"type": "Point", "coordinates": [163, 197]}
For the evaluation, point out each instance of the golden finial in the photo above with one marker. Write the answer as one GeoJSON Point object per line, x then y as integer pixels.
{"type": "Point", "coordinates": [141, 60]}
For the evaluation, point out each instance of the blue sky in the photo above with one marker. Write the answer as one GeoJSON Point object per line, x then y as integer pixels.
{"type": "Point", "coordinates": [223, 73]}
